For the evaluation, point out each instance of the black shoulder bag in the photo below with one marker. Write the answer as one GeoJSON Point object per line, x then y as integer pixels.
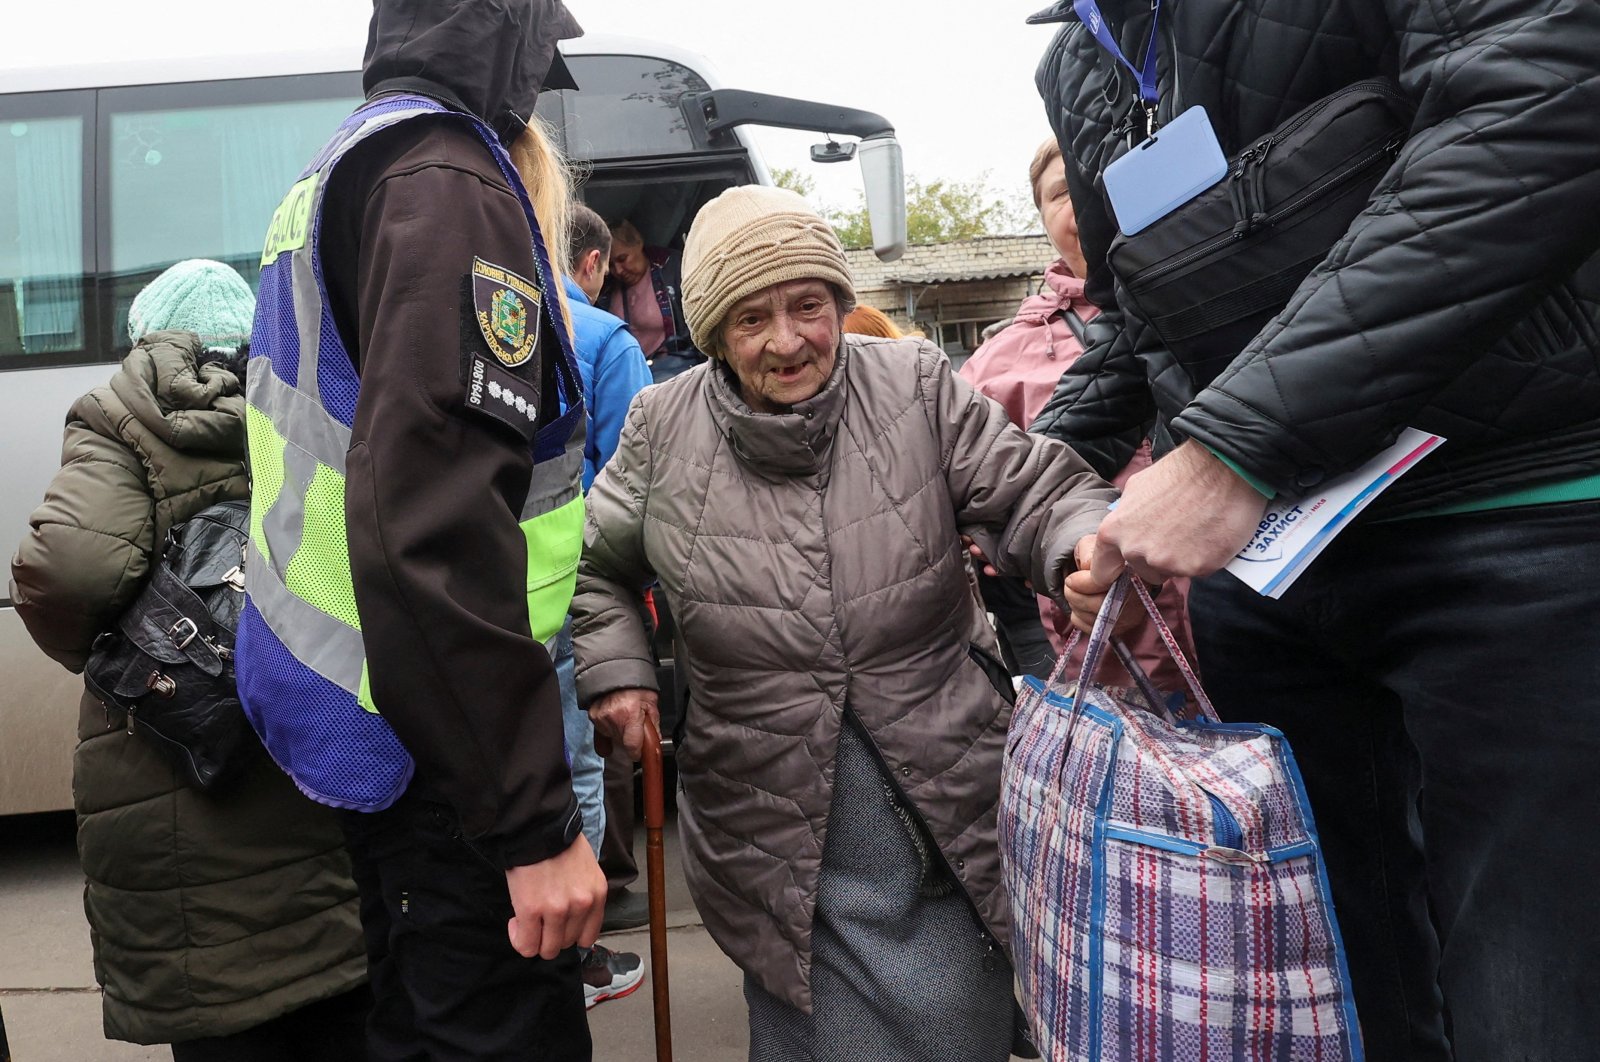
{"type": "Point", "coordinates": [1211, 274]}
{"type": "Point", "coordinates": [168, 662]}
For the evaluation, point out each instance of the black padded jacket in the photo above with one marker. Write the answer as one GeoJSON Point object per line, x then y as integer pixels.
{"type": "Point", "coordinates": [1464, 300]}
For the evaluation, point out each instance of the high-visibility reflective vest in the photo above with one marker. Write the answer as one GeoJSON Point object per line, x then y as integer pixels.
{"type": "Point", "coordinates": [301, 665]}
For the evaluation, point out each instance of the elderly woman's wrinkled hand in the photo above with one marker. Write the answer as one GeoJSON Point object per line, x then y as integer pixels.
{"type": "Point", "coordinates": [981, 559]}
{"type": "Point", "coordinates": [1085, 592]}
{"type": "Point", "coordinates": [620, 715]}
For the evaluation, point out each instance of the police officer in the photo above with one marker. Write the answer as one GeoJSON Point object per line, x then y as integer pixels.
{"type": "Point", "coordinates": [416, 436]}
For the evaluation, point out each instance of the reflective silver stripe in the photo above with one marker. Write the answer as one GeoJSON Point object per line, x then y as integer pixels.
{"type": "Point", "coordinates": [299, 418]}
{"type": "Point", "coordinates": [320, 642]}
{"type": "Point", "coordinates": [307, 291]}
{"type": "Point", "coordinates": [317, 640]}
{"type": "Point", "coordinates": [308, 305]}
{"type": "Point", "coordinates": [284, 525]}
{"type": "Point", "coordinates": [372, 125]}
{"type": "Point", "coordinates": [555, 482]}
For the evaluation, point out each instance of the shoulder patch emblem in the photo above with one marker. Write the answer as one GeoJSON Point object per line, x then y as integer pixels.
{"type": "Point", "coordinates": [507, 307]}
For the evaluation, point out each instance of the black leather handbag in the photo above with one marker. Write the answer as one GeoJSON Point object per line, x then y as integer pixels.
{"type": "Point", "coordinates": [1211, 274]}
{"type": "Point", "coordinates": [168, 662]}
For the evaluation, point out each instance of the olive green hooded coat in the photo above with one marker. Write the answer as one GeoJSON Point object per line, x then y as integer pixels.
{"type": "Point", "coordinates": [208, 914]}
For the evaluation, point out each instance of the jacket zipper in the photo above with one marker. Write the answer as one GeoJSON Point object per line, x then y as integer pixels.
{"type": "Point", "coordinates": [991, 948]}
{"type": "Point", "coordinates": [1245, 189]}
{"type": "Point", "coordinates": [1355, 169]}
{"type": "Point", "coordinates": [1253, 160]}
{"type": "Point", "coordinates": [1225, 826]}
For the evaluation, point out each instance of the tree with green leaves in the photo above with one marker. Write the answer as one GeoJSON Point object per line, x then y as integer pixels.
{"type": "Point", "coordinates": [942, 210]}
{"type": "Point", "coordinates": [937, 211]}
{"type": "Point", "coordinates": [791, 178]}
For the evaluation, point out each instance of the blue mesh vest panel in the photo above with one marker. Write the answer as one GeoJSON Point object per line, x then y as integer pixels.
{"type": "Point", "coordinates": [301, 665]}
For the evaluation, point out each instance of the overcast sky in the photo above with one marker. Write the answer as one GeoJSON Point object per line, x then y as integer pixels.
{"type": "Point", "coordinates": [955, 78]}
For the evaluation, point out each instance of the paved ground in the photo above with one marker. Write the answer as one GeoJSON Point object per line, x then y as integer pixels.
{"type": "Point", "coordinates": [50, 1007]}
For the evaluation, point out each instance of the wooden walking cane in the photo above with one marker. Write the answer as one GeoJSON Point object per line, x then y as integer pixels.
{"type": "Point", "coordinates": [655, 814]}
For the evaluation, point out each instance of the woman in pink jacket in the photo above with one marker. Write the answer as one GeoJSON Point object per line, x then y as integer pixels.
{"type": "Point", "coordinates": [1019, 368]}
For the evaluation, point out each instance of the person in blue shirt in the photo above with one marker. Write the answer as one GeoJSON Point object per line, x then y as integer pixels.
{"type": "Point", "coordinates": [609, 357]}
{"type": "Point", "coordinates": [613, 370]}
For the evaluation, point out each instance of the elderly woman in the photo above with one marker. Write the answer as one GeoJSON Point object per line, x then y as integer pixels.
{"type": "Point", "coordinates": [799, 499]}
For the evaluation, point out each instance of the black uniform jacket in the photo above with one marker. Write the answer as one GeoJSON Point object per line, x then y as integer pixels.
{"type": "Point", "coordinates": [436, 486]}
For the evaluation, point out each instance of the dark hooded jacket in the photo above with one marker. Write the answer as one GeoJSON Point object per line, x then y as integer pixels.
{"type": "Point", "coordinates": [1464, 300]}
{"type": "Point", "coordinates": [435, 487]}
{"type": "Point", "coordinates": [490, 58]}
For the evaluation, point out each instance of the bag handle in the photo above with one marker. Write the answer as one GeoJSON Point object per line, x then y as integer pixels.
{"type": "Point", "coordinates": [1170, 640]}
{"type": "Point", "coordinates": [1103, 625]}
{"type": "Point", "coordinates": [1099, 638]}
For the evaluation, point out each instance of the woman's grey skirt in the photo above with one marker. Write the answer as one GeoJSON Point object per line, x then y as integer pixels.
{"type": "Point", "coordinates": [901, 970]}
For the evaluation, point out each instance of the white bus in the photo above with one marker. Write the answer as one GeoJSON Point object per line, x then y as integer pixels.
{"type": "Point", "coordinates": [108, 176]}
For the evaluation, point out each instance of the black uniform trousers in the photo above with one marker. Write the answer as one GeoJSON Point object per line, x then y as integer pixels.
{"type": "Point", "coordinates": [446, 983]}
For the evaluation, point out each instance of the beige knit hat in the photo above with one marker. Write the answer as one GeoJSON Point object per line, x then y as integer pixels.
{"type": "Point", "coordinates": [749, 238]}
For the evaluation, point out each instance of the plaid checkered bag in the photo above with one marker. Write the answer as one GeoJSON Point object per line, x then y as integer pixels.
{"type": "Point", "coordinates": [1169, 900]}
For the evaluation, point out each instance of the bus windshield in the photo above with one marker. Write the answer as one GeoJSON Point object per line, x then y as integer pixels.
{"type": "Point", "coordinates": [626, 106]}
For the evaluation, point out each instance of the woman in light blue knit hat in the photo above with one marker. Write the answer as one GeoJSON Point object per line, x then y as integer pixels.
{"type": "Point", "coordinates": [200, 296]}
{"type": "Point", "coordinates": [223, 923]}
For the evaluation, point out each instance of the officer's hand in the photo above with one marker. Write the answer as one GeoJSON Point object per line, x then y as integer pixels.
{"type": "Point", "coordinates": [620, 715]}
{"type": "Point", "coordinates": [1187, 514]}
{"type": "Point", "coordinates": [558, 903]}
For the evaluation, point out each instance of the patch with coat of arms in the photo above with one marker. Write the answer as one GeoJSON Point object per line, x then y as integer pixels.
{"type": "Point", "coordinates": [507, 308]}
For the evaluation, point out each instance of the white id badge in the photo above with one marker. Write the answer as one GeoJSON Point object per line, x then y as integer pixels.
{"type": "Point", "coordinates": [1165, 171]}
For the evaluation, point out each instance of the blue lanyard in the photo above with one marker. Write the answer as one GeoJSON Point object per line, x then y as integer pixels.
{"type": "Point", "coordinates": [1089, 14]}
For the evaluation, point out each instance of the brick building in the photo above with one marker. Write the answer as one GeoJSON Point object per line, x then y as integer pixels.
{"type": "Point", "coordinates": [951, 291]}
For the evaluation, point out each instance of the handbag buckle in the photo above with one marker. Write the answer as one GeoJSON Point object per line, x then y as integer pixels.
{"type": "Point", "coordinates": [183, 632]}
{"type": "Point", "coordinates": [235, 575]}
{"type": "Point", "coordinates": [160, 685]}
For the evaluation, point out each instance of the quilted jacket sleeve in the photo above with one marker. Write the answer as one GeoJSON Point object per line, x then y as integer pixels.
{"type": "Point", "coordinates": [608, 635]}
{"type": "Point", "coordinates": [88, 546]}
{"type": "Point", "coordinates": [1102, 407]}
{"type": "Point", "coordinates": [1035, 492]}
{"type": "Point", "coordinates": [1490, 202]}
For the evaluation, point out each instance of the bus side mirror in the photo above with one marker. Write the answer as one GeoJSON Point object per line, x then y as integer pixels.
{"type": "Point", "coordinates": [884, 179]}
{"type": "Point", "coordinates": [883, 174]}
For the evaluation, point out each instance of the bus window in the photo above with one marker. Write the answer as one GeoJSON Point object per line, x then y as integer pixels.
{"type": "Point", "coordinates": [626, 106]}
{"type": "Point", "coordinates": [42, 283]}
{"type": "Point", "coordinates": [192, 181]}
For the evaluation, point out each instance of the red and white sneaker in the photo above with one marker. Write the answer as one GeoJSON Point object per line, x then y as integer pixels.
{"type": "Point", "coordinates": [610, 974]}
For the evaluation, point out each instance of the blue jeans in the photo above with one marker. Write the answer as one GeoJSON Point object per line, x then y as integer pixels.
{"type": "Point", "coordinates": [588, 769]}
{"type": "Point", "coordinates": [1439, 681]}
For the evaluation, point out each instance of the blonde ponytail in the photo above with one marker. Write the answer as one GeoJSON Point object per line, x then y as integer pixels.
{"type": "Point", "coordinates": [549, 182]}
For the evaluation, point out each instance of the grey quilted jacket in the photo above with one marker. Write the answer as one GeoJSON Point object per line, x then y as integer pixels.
{"type": "Point", "coordinates": [1466, 298]}
{"type": "Point", "coordinates": [813, 563]}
